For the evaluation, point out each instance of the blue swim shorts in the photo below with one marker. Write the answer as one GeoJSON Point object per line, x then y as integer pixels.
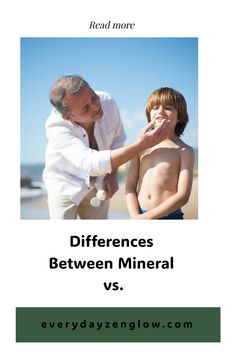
{"type": "Point", "coordinates": [175, 215]}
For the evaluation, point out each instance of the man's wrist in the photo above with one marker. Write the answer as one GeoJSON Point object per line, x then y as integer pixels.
{"type": "Point", "coordinates": [137, 146]}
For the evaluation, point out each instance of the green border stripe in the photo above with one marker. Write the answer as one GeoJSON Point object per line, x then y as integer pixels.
{"type": "Point", "coordinates": [118, 324]}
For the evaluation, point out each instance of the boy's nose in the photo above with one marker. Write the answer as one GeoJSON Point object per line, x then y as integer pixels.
{"type": "Point", "coordinates": [160, 108]}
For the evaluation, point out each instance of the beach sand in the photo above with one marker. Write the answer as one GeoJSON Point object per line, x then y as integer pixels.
{"type": "Point", "coordinates": [37, 209]}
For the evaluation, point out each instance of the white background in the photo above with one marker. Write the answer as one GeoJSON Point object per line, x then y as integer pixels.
{"type": "Point", "coordinates": [204, 272]}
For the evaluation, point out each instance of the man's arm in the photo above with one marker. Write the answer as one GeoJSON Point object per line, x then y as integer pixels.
{"type": "Point", "coordinates": [147, 138]}
{"type": "Point", "coordinates": [98, 163]}
{"type": "Point", "coordinates": [181, 197]}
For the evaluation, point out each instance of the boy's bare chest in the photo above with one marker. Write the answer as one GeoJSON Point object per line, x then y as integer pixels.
{"type": "Point", "coordinates": [162, 159]}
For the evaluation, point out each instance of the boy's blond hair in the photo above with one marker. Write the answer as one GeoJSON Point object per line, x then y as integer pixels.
{"type": "Point", "coordinates": [168, 96]}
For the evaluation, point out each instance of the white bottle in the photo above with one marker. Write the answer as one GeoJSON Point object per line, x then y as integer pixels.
{"type": "Point", "coordinates": [100, 195]}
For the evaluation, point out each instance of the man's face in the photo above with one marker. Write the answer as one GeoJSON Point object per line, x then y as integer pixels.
{"type": "Point", "coordinates": [85, 106]}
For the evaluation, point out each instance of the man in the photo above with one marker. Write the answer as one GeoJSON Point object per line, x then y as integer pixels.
{"type": "Point", "coordinates": [85, 148]}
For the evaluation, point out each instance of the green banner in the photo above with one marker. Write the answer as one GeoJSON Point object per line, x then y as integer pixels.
{"type": "Point", "coordinates": [117, 324]}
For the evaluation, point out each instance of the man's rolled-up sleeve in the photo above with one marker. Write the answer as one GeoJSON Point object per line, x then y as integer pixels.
{"type": "Point", "coordinates": [93, 162]}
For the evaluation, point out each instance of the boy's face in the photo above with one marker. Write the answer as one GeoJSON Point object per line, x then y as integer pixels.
{"type": "Point", "coordinates": [168, 112]}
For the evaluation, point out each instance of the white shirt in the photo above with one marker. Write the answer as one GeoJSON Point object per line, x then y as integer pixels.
{"type": "Point", "coordinates": [69, 161]}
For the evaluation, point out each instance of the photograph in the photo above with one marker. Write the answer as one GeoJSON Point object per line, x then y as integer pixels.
{"type": "Point", "coordinates": [109, 128]}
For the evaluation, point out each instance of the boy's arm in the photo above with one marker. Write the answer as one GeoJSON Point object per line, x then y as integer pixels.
{"type": "Point", "coordinates": [181, 197]}
{"type": "Point", "coordinates": [131, 187]}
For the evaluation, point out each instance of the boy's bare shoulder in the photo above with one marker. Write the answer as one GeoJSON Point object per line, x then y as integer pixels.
{"type": "Point", "coordinates": [185, 149]}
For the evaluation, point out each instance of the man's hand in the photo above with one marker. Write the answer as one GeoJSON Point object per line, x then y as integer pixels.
{"type": "Point", "coordinates": [150, 136]}
{"type": "Point", "coordinates": [110, 184]}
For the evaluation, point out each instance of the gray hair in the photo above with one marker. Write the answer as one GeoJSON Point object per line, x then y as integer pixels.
{"type": "Point", "coordinates": [65, 85]}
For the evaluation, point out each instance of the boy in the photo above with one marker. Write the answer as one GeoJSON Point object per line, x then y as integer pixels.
{"type": "Point", "coordinates": [159, 181]}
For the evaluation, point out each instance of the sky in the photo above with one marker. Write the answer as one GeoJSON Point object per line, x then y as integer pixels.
{"type": "Point", "coordinates": [130, 69]}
